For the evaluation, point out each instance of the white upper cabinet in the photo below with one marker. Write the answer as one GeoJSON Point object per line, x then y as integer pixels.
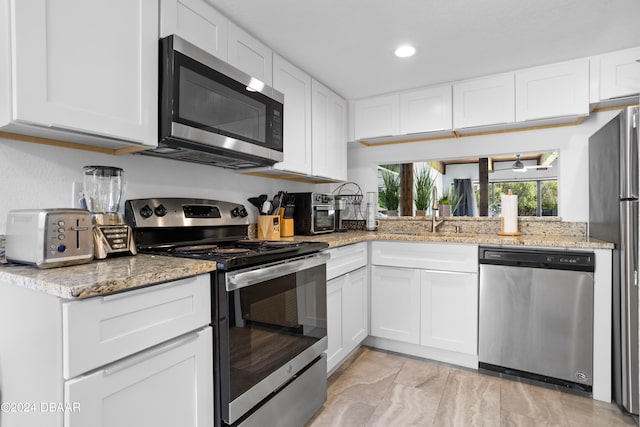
{"type": "Point", "coordinates": [329, 133]}
{"type": "Point", "coordinates": [196, 22]}
{"type": "Point", "coordinates": [426, 110]}
{"type": "Point", "coordinates": [615, 75]}
{"type": "Point", "coordinates": [250, 55]}
{"type": "Point", "coordinates": [378, 116]}
{"type": "Point", "coordinates": [76, 78]}
{"type": "Point", "coordinates": [483, 102]}
{"type": "Point", "coordinates": [296, 86]}
{"type": "Point", "coordinates": [553, 91]}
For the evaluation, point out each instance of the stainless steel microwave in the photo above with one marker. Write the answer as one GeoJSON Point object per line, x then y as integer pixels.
{"type": "Point", "coordinates": [213, 113]}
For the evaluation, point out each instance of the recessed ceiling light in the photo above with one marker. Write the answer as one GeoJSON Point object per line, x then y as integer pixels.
{"type": "Point", "coordinates": [405, 51]}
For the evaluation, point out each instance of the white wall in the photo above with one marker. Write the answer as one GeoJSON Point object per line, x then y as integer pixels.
{"type": "Point", "coordinates": [34, 176]}
{"type": "Point", "coordinates": [571, 142]}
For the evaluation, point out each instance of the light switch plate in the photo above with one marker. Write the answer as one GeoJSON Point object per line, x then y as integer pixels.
{"type": "Point", "coordinates": [77, 195]}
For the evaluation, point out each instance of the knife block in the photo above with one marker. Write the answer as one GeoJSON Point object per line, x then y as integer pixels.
{"type": "Point", "coordinates": [286, 225]}
{"type": "Point", "coordinates": [269, 227]}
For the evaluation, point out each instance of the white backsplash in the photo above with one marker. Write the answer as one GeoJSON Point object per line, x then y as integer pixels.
{"type": "Point", "coordinates": [35, 176]}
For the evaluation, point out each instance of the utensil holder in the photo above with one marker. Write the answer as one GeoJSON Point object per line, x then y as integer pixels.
{"type": "Point", "coordinates": [269, 227]}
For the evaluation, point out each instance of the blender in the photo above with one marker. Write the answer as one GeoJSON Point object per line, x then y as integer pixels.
{"type": "Point", "coordinates": [103, 188]}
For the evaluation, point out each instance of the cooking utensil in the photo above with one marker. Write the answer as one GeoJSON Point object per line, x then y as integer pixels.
{"type": "Point", "coordinates": [276, 203]}
{"type": "Point", "coordinates": [266, 208]}
{"type": "Point", "coordinates": [255, 201]}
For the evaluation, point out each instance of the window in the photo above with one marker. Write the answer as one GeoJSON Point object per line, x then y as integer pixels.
{"type": "Point", "coordinates": [535, 197]}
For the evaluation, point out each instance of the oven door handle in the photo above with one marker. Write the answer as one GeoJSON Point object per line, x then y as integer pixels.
{"type": "Point", "coordinates": [242, 279]}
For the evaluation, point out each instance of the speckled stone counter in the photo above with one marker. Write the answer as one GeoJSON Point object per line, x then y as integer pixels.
{"type": "Point", "coordinates": [556, 241]}
{"type": "Point", "coordinates": [103, 277]}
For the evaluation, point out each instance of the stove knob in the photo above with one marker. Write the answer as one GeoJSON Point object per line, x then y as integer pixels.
{"type": "Point", "coordinates": [243, 212]}
{"type": "Point", "coordinates": [146, 211]}
{"type": "Point", "coordinates": [235, 212]}
{"type": "Point", "coordinates": [160, 210]}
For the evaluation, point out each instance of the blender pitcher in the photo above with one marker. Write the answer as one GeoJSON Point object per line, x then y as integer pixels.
{"type": "Point", "coordinates": [103, 189]}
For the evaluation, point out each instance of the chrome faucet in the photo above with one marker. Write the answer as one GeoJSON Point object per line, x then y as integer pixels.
{"type": "Point", "coordinates": [434, 211]}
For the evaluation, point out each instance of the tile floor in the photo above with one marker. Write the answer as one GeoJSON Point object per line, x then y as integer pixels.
{"type": "Point", "coordinates": [377, 388]}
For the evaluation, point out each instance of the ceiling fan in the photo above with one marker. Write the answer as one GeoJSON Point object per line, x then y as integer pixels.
{"type": "Point", "coordinates": [518, 166]}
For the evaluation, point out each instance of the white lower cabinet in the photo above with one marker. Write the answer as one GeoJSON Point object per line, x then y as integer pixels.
{"type": "Point", "coordinates": [168, 385]}
{"type": "Point", "coordinates": [424, 300]}
{"type": "Point", "coordinates": [347, 302]}
{"type": "Point", "coordinates": [335, 340]}
{"type": "Point", "coordinates": [138, 358]}
{"type": "Point", "coordinates": [395, 303]}
{"type": "Point", "coordinates": [347, 315]}
{"type": "Point", "coordinates": [449, 311]}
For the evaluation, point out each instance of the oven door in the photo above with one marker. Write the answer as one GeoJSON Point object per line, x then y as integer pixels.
{"type": "Point", "coordinates": [205, 100]}
{"type": "Point", "coordinates": [272, 323]}
{"type": "Point", "coordinates": [324, 218]}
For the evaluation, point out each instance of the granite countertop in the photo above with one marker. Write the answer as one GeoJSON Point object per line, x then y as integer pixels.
{"type": "Point", "coordinates": [104, 276]}
{"type": "Point", "coordinates": [125, 273]}
{"type": "Point", "coordinates": [559, 241]}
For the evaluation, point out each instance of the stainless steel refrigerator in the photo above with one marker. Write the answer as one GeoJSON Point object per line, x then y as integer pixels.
{"type": "Point", "coordinates": [614, 182]}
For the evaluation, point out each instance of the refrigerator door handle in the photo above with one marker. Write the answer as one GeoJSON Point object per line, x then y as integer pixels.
{"type": "Point", "coordinates": [629, 154]}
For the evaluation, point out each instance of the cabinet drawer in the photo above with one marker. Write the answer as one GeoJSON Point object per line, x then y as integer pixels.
{"type": "Point", "coordinates": [427, 256]}
{"type": "Point", "coordinates": [168, 385]}
{"type": "Point", "coordinates": [345, 259]}
{"type": "Point", "coordinates": [101, 330]}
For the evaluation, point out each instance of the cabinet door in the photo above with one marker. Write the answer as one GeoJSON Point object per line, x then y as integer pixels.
{"type": "Point", "coordinates": [169, 385]}
{"type": "Point", "coordinates": [329, 133]}
{"type": "Point", "coordinates": [73, 71]}
{"type": "Point", "coordinates": [379, 116]}
{"type": "Point", "coordinates": [296, 86]}
{"type": "Point", "coordinates": [449, 311]}
{"type": "Point", "coordinates": [355, 309]}
{"type": "Point", "coordinates": [335, 348]}
{"type": "Point", "coordinates": [426, 110]}
{"type": "Point", "coordinates": [250, 55]}
{"type": "Point", "coordinates": [395, 303]}
{"type": "Point", "coordinates": [485, 101]}
{"type": "Point", "coordinates": [553, 91]}
{"type": "Point", "coordinates": [196, 22]}
{"type": "Point", "coordinates": [620, 74]}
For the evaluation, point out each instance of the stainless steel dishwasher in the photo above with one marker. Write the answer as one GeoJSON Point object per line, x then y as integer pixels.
{"type": "Point", "coordinates": [536, 314]}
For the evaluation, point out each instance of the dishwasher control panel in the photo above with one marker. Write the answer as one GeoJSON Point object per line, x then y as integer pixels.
{"type": "Point", "coordinates": [558, 260]}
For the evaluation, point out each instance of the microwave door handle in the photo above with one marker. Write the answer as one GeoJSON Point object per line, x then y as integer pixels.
{"type": "Point", "coordinates": [242, 279]}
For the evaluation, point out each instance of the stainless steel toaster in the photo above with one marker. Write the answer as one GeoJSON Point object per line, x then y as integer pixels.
{"type": "Point", "coordinates": [49, 237]}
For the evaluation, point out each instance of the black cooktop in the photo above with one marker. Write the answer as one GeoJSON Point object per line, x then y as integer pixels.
{"type": "Point", "coordinates": [241, 253]}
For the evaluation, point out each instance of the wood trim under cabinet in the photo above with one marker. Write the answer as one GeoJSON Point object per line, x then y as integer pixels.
{"type": "Point", "coordinates": [457, 134]}
{"type": "Point", "coordinates": [73, 145]}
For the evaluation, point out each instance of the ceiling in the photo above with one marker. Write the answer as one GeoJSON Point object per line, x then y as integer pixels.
{"type": "Point", "coordinates": [348, 44]}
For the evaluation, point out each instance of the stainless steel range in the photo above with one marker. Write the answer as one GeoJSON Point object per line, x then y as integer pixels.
{"type": "Point", "coordinates": [268, 307]}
